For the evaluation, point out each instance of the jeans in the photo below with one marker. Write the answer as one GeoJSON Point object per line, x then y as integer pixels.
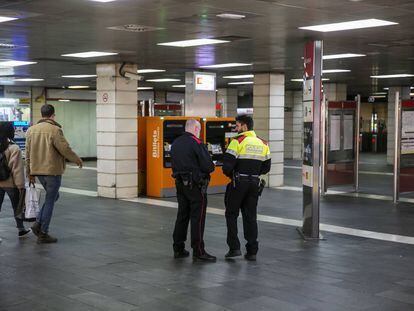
{"type": "Point", "coordinates": [14, 195]}
{"type": "Point", "coordinates": [51, 184]}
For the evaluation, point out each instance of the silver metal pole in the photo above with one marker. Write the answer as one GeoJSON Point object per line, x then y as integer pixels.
{"type": "Point", "coordinates": [323, 147]}
{"type": "Point", "coordinates": [397, 147]}
{"type": "Point", "coordinates": [357, 143]}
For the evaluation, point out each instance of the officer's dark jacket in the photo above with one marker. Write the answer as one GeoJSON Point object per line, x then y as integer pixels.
{"type": "Point", "coordinates": [247, 154]}
{"type": "Point", "coordinates": [189, 154]}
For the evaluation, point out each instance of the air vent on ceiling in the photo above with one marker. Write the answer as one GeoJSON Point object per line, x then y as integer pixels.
{"type": "Point", "coordinates": [135, 28]}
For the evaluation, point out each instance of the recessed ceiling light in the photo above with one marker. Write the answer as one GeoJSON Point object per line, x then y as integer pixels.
{"type": "Point", "coordinates": [89, 54]}
{"type": "Point", "coordinates": [15, 63]}
{"type": "Point", "coordinates": [64, 100]}
{"type": "Point", "coordinates": [7, 19]}
{"type": "Point", "coordinates": [226, 65]}
{"type": "Point", "coordinates": [150, 70]}
{"type": "Point", "coordinates": [231, 16]}
{"type": "Point", "coordinates": [240, 83]}
{"type": "Point", "coordinates": [194, 42]}
{"type": "Point", "coordinates": [179, 85]}
{"type": "Point", "coordinates": [163, 80]}
{"type": "Point", "coordinates": [345, 55]}
{"type": "Point", "coordinates": [79, 76]}
{"type": "Point", "coordinates": [28, 80]}
{"type": "Point", "coordinates": [75, 87]}
{"type": "Point", "coordinates": [359, 24]}
{"type": "Point", "coordinates": [335, 70]}
{"type": "Point", "coordinates": [142, 88]}
{"type": "Point", "coordinates": [301, 80]}
{"type": "Point", "coordinates": [403, 75]}
{"type": "Point", "coordinates": [239, 76]}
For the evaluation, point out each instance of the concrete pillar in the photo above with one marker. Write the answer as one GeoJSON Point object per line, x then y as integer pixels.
{"type": "Point", "coordinates": [297, 129]}
{"type": "Point", "coordinates": [228, 99]}
{"type": "Point", "coordinates": [269, 105]}
{"type": "Point", "coordinates": [404, 94]}
{"type": "Point", "coordinates": [335, 91]}
{"type": "Point", "coordinates": [200, 94]}
{"type": "Point", "coordinates": [288, 133]}
{"type": "Point", "coordinates": [116, 113]}
{"type": "Point", "coordinates": [38, 100]}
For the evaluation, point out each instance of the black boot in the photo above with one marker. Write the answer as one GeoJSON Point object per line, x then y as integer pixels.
{"type": "Point", "coordinates": [181, 254]}
{"type": "Point", "coordinates": [36, 229]}
{"type": "Point", "coordinates": [233, 253]}
{"type": "Point", "coordinates": [204, 256]}
{"type": "Point", "coordinates": [45, 238]}
{"type": "Point", "coordinates": [250, 257]}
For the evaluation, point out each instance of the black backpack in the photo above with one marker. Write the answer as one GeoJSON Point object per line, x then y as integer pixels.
{"type": "Point", "coordinates": [4, 167]}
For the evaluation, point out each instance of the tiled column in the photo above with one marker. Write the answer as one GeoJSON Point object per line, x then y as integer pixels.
{"type": "Point", "coordinates": [404, 94]}
{"type": "Point", "coordinates": [335, 91]}
{"type": "Point", "coordinates": [269, 105]}
{"type": "Point", "coordinates": [297, 125]}
{"type": "Point", "coordinates": [228, 99]}
{"type": "Point", "coordinates": [116, 113]}
{"type": "Point", "coordinates": [288, 135]}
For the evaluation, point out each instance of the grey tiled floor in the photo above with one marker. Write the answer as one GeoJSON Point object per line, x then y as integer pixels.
{"type": "Point", "coordinates": [115, 255]}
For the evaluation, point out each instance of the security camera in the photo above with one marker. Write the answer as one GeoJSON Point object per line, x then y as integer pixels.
{"type": "Point", "coordinates": [132, 76]}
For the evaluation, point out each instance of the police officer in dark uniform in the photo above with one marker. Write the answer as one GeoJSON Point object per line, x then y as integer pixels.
{"type": "Point", "coordinates": [191, 165]}
{"type": "Point", "coordinates": [246, 158]}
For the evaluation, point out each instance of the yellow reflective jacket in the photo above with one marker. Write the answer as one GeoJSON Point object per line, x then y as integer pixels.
{"type": "Point", "coordinates": [247, 154]}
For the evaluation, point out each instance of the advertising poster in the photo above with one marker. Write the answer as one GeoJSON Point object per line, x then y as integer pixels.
{"type": "Point", "coordinates": [335, 132]}
{"type": "Point", "coordinates": [348, 132]}
{"type": "Point", "coordinates": [407, 133]}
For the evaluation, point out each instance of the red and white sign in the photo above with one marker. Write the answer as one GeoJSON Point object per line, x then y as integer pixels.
{"type": "Point", "coordinates": [309, 59]}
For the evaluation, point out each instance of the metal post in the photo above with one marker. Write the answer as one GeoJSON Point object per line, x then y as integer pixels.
{"type": "Point", "coordinates": [357, 143]}
{"type": "Point", "coordinates": [323, 146]}
{"type": "Point", "coordinates": [397, 147]}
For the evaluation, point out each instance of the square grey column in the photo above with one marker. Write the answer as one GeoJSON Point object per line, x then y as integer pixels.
{"type": "Point", "coordinates": [117, 132]}
{"type": "Point", "coordinates": [268, 115]}
{"type": "Point", "coordinates": [228, 99]}
{"type": "Point", "coordinates": [200, 97]}
{"type": "Point", "coordinates": [297, 125]}
{"type": "Point", "coordinates": [288, 136]}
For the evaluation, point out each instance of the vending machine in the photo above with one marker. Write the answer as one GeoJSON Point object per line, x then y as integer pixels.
{"type": "Point", "coordinates": [217, 134]}
{"type": "Point", "coordinates": [160, 134]}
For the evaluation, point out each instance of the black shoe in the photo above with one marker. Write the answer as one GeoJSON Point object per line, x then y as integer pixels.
{"type": "Point", "coordinates": [250, 257]}
{"type": "Point", "coordinates": [233, 253]}
{"type": "Point", "coordinates": [181, 254]}
{"type": "Point", "coordinates": [22, 233]}
{"type": "Point", "coordinates": [36, 229]}
{"type": "Point", "coordinates": [45, 238]}
{"type": "Point", "coordinates": [204, 257]}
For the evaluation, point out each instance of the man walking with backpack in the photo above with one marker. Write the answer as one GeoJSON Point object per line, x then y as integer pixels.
{"type": "Point", "coordinates": [46, 153]}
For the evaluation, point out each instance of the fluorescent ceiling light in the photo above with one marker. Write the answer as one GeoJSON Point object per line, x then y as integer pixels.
{"type": "Point", "coordinates": [412, 88]}
{"type": "Point", "coordinates": [163, 80]}
{"type": "Point", "coordinates": [345, 55]}
{"type": "Point", "coordinates": [64, 100]}
{"type": "Point", "coordinates": [403, 75]}
{"type": "Point", "coordinates": [231, 16]}
{"type": "Point", "coordinates": [103, 0]}
{"type": "Point", "coordinates": [380, 96]}
{"type": "Point", "coordinates": [226, 65]}
{"type": "Point", "coordinates": [411, 94]}
{"type": "Point", "coordinates": [359, 24]}
{"type": "Point", "coordinates": [301, 80]}
{"type": "Point", "coordinates": [194, 42]}
{"type": "Point", "coordinates": [7, 19]}
{"type": "Point", "coordinates": [28, 80]}
{"type": "Point", "coordinates": [240, 83]}
{"type": "Point", "coordinates": [239, 76]}
{"type": "Point", "coordinates": [386, 88]}
{"type": "Point", "coordinates": [89, 54]}
{"type": "Point", "coordinates": [335, 70]}
{"type": "Point", "coordinates": [379, 93]}
{"type": "Point", "coordinates": [15, 63]}
{"type": "Point", "coordinates": [179, 85]}
{"type": "Point", "coordinates": [149, 70]}
{"type": "Point", "coordinates": [142, 88]}
{"type": "Point", "coordinates": [79, 76]}
{"type": "Point", "coordinates": [76, 87]}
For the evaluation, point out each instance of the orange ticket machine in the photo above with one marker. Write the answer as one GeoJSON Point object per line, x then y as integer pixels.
{"type": "Point", "coordinates": [217, 134]}
{"type": "Point", "coordinates": [161, 132]}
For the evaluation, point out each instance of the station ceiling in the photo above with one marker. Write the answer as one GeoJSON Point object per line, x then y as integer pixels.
{"type": "Point", "coordinates": [267, 37]}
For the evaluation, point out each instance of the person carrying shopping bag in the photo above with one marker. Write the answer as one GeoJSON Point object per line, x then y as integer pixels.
{"type": "Point", "coordinates": [12, 179]}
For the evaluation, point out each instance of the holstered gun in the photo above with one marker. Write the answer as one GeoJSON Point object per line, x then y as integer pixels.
{"type": "Point", "coordinates": [262, 185]}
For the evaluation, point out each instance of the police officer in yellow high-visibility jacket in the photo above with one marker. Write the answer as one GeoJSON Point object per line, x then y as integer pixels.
{"type": "Point", "coordinates": [247, 157]}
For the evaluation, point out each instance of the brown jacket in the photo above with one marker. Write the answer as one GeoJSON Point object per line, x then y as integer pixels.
{"type": "Point", "coordinates": [47, 149]}
{"type": "Point", "coordinates": [15, 161]}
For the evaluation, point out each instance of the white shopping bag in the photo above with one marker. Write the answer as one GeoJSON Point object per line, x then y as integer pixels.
{"type": "Point", "coordinates": [32, 202]}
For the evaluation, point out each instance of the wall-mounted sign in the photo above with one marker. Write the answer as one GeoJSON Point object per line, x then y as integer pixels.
{"type": "Point", "coordinates": [407, 135]}
{"type": "Point", "coordinates": [205, 82]}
